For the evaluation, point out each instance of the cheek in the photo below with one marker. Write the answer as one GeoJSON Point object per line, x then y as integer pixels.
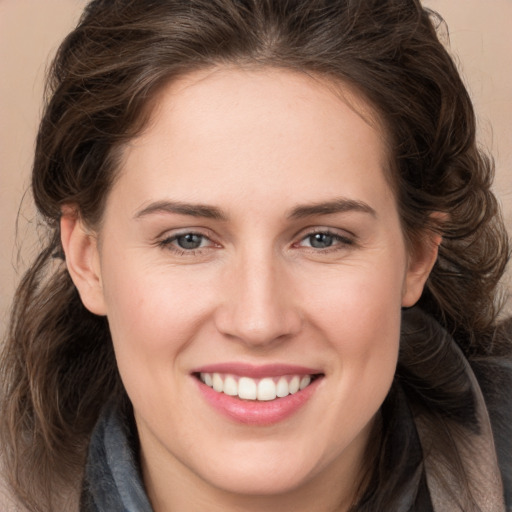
{"type": "Point", "coordinates": [152, 318]}
{"type": "Point", "coordinates": [362, 321]}
{"type": "Point", "coordinates": [360, 315]}
{"type": "Point", "coordinates": [366, 340]}
{"type": "Point", "coordinates": [362, 299]}
{"type": "Point", "coordinates": [145, 303]}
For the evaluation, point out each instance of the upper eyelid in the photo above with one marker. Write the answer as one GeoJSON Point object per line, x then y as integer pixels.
{"type": "Point", "coordinates": [167, 240]}
{"type": "Point", "coordinates": [338, 232]}
{"type": "Point", "coordinates": [177, 232]}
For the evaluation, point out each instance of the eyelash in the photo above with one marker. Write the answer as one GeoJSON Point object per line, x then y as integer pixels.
{"type": "Point", "coordinates": [341, 242]}
{"type": "Point", "coordinates": [167, 243]}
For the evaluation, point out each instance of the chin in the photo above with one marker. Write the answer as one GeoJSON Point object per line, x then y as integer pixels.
{"type": "Point", "coordinates": [271, 480]}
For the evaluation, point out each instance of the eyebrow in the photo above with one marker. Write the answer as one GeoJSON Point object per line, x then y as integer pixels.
{"type": "Point", "coordinates": [193, 210]}
{"type": "Point", "coordinates": [339, 205]}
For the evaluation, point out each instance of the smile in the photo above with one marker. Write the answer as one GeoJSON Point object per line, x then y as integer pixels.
{"type": "Point", "coordinates": [260, 395]}
{"type": "Point", "coordinates": [263, 389]}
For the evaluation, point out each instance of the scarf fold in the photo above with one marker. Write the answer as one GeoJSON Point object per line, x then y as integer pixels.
{"type": "Point", "coordinates": [456, 403]}
{"type": "Point", "coordinates": [112, 478]}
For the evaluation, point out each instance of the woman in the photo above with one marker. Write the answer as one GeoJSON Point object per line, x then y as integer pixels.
{"type": "Point", "coordinates": [271, 273]}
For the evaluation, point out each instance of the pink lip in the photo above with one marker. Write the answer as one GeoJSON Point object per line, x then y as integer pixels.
{"type": "Point", "coordinates": [255, 412]}
{"type": "Point", "coordinates": [257, 372]}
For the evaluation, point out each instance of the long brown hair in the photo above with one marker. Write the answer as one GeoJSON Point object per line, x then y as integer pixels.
{"type": "Point", "coordinates": [58, 365]}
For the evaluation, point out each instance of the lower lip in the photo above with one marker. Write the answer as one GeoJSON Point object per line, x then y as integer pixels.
{"type": "Point", "coordinates": [258, 412]}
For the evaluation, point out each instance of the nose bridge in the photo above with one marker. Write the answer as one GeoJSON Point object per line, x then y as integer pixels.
{"type": "Point", "coordinates": [259, 305]}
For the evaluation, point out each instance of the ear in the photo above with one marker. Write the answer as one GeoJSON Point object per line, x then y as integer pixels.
{"type": "Point", "coordinates": [82, 259]}
{"type": "Point", "coordinates": [422, 258]}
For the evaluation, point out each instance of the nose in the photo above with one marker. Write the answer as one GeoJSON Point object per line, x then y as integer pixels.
{"type": "Point", "coordinates": [258, 306]}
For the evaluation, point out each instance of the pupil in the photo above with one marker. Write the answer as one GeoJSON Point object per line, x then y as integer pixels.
{"type": "Point", "coordinates": [189, 241]}
{"type": "Point", "coordinates": [320, 240]}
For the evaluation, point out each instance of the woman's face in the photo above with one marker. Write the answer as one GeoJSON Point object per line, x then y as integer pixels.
{"type": "Point", "coordinates": [252, 243]}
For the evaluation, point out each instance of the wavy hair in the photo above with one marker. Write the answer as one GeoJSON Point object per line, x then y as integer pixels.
{"type": "Point", "coordinates": [58, 364]}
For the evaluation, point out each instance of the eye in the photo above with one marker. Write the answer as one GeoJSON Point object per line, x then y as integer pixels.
{"type": "Point", "coordinates": [186, 242]}
{"type": "Point", "coordinates": [189, 241]}
{"type": "Point", "coordinates": [324, 240]}
{"type": "Point", "coordinates": [321, 240]}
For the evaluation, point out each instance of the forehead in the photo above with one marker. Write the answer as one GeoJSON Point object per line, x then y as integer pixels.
{"type": "Point", "coordinates": [259, 128]}
{"type": "Point", "coordinates": [233, 88]}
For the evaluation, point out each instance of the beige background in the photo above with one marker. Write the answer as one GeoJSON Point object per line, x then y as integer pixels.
{"type": "Point", "coordinates": [30, 30]}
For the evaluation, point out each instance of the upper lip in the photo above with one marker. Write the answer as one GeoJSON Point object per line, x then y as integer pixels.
{"type": "Point", "coordinates": [257, 371]}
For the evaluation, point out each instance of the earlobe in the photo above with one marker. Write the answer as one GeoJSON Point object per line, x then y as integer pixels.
{"type": "Point", "coordinates": [421, 262]}
{"type": "Point", "coordinates": [82, 260]}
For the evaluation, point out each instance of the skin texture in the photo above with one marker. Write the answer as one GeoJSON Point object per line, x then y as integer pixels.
{"type": "Point", "coordinates": [255, 145]}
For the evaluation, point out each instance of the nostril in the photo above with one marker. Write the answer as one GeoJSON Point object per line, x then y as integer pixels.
{"type": "Point", "coordinates": [258, 328]}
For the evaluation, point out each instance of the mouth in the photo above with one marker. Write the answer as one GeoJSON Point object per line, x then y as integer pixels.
{"type": "Point", "coordinates": [257, 395]}
{"type": "Point", "coordinates": [264, 389]}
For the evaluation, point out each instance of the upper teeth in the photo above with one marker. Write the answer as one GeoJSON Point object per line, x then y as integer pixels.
{"type": "Point", "coordinates": [247, 388]}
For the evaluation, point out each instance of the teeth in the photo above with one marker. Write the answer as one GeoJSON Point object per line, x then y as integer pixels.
{"type": "Point", "coordinates": [265, 389]}
{"type": "Point", "coordinates": [207, 379]}
{"type": "Point", "coordinates": [304, 382]}
{"type": "Point", "coordinates": [230, 386]}
{"type": "Point", "coordinates": [247, 388]}
{"type": "Point", "coordinates": [282, 387]}
{"type": "Point", "coordinates": [294, 385]}
{"type": "Point", "coordinates": [218, 384]}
